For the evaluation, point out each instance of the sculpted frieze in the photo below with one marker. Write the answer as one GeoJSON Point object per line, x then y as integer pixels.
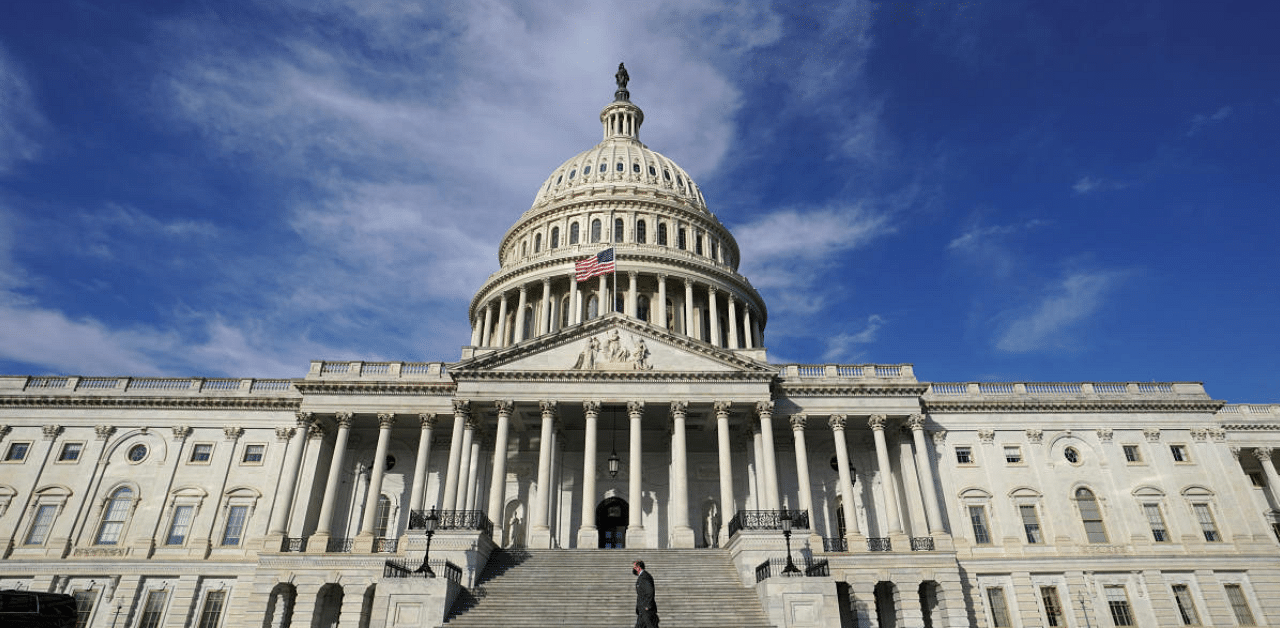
{"type": "Point", "coordinates": [610, 354]}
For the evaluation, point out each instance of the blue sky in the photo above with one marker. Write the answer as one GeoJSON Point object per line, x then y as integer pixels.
{"type": "Point", "coordinates": [992, 191]}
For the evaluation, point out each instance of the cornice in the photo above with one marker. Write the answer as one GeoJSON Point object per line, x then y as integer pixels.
{"type": "Point", "coordinates": [613, 376]}
{"type": "Point", "coordinates": [158, 403]}
{"type": "Point", "coordinates": [1073, 405]}
{"type": "Point", "coordinates": [1252, 427]}
{"type": "Point", "coordinates": [376, 388]}
{"type": "Point", "coordinates": [804, 389]}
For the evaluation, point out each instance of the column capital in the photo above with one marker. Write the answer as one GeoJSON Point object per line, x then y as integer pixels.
{"type": "Point", "coordinates": [472, 422]}
{"type": "Point", "coordinates": [915, 422]}
{"type": "Point", "coordinates": [679, 408]}
{"type": "Point", "coordinates": [546, 281]}
{"type": "Point", "coordinates": [51, 431]}
{"type": "Point", "coordinates": [504, 406]}
{"type": "Point", "coordinates": [305, 418]}
{"type": "Point", "coordinates": [428, 419]}
{"type": "Point", "coordinates": [634, 408]}
{"type": "Point", "coordinates": [343, 418]}
{"type": "Point", "coordinates": [877, 421]}
{"type": "Point", "coordinates": [591, 407]}
{"type": "Point", "coordinates": [461, 407]}
{"type": "Point", "coordinates": [798, 422]}
{"type": "Point", "coordinates": [232, 432]}
{"type": "Point", "coordinates": [663, 276]}
{"type": "Point", "coordinates": [180, 432]}
{"type": "Point", "coordinates": [524, 290]}
{"type": "Point", "coordinates": [837, 421]}
{"type": "Point", "coordinates": [722, 408]}
{"type": "Point", "coordinates": [1263, 454]}
{"type": "Point", "coordinates": [283, 434]}
{"type": "Point", "coordinates": [386, 420]}
{"type": "Point", "coordinates": [764, 408]}
{"type": "Point", "coordinates": [103, 432]}
{"type": "Point", "coordinates": [548, 408]}
{"type": "Point", "coordinates": [632, 274]}
{"type": "Point", "coordinates": [711, 289]}
{"type": "Point", "coordinates": [316, 431]}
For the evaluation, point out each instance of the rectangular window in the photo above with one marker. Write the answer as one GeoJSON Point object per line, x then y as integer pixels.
{"type": "Point", "coordinates": [17, 452]}
{"type": "Point", "coordinates": [181, 525]}
{"type": "Point", "coordinates": [235, 525]}
{"type": "Point", "coordinates": [999, 609]}
{"type": "Point", "coordinates": [202, 452]}
{"type": "Point", "coordinates": [1239, 605]}
{"type": "Point", "coordinates": [1132, 453]}
{"type": "Point", "coordinates": [1052, 606]}
{"type": "Point", "coordinates": [680, 241]}
{"type": "Point", "coordinates": [41, 525]}
{"type": "Point", "coordinates": [153, 609]}
{"type": "Point", "coordinates": [70, 452]}
{"type": "Point", "coordinates": [1156, 520]}
{"type": "Point", "coordinates": [1118, 603]}
{"type": "Point", "coordinates": [697, 242]}
{"type": "Point", "coordinates": [84, 606]}
{"type": "Point", "coordinates": [1207, 524]}
{"type": "Point", "coordinates": [964, 455]}
{"type": "Point", "coordinates": [1186, 606]}
{"type": "Point", "coordinates": [1013, 454]}
{"type": "Point", "coordinates": [1179, 453]}
{"type": "Point", "coordinates": [253, 454]}
{"type": "Point", "coordinates": [978, 516]}
{"type": "Point", "coordinates": [1031, 524]}
{"type": "Point", "coordinates": [211, 614]}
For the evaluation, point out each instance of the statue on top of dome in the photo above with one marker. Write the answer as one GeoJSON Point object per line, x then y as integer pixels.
{"type": "Point", "coordinates": [622, 78]}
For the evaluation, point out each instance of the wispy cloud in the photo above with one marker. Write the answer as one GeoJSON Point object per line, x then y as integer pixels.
{"type": "Point", "coordinates": [844, 347]}
{"type": "Point", "coordinates": [1201, 121]}
{"type": "Point", "coordinates": [1052, 322]}
{"type": "Point", "coordinates": [20, 119]}
{"type": "Point", "coordinates": [1089, 184]}
{"type": "Point", "coordinates": [989, 245]}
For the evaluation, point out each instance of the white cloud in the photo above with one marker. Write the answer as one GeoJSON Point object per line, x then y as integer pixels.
{"type": "Point", "coordinates": [1088, 184]}
{"type": "Point", "coordinates": [843, 347]}
{"type": "Point", "coordinates": [1200, 121]}
{"type": "Point", "coordinates": [20, 119]}
{"type": "Point", "coordinates": [1050, 324]}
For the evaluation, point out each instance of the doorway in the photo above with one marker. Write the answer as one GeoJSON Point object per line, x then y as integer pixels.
{"type": "Point", "coordinates": [611, 522]}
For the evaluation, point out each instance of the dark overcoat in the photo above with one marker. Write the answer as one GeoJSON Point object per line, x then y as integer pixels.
{"type": "Point", "coordinates": [646, 606]}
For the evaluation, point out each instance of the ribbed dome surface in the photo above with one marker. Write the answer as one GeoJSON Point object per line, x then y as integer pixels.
{"type": "Point", "coordinates": [620, 161]}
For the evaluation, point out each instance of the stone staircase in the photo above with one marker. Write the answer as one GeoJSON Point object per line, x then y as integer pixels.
{"type": "Point", "coordinates": [581, 588]}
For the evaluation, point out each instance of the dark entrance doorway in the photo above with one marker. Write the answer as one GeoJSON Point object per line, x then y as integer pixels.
{"type": "Point", "coordinates": [611, 521]}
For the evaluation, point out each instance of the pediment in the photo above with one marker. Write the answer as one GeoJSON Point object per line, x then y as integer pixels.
{"type": "Point", "coordinates": [615, 345]}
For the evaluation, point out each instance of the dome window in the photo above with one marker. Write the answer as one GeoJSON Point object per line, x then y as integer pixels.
{"type": "Point", "coordinates": [573, 173]}
{"type": "Point", "coordinates": [653, 172]}
{"type": "Point", "coordinates": [595, 230]}
{"type": "Point", "coordinates": [559, 179]}
{"type": "Point", "coordinates": [640, 232]}
{"type": "Point", "coordinates": [537, 243]}
{"type": "Point", "coordinates": [573, 233]}
{"type": "Point", "coordinates": [662, 234]}
{"type": "Point", "coordinates": [555, 237]}
{"type": "Point", "coordinates": [679, 180]}
{"type": "Point", "coordinates": [635, 168]}
{"type": "Point", "coordinates": [586, 170]}
{"type": "Point", "coordinates": [621, 167]}
{"type": "Point", "coordinates": [618, 226]}
{"type": "Point", "coordinates": [666, 174]}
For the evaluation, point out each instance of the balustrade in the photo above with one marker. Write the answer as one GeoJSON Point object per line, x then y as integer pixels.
{"type": "Point", "coordinates": [922, 544]}
{"type": "Point", "coordinates": [453, 520]}
{"type": "Point", "coordinates": [835, 544]}
{"type": "Point", "coordinates": [879, 544]}
{"type": "Point", "coordinates": [767, 520]}
{"type": "Point", "coordinates": [294, 544]}
{"type": "Point", "coordinates": [339, 546]}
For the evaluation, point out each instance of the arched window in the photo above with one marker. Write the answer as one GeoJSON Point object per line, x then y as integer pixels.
{"type": "Point", "coordinates": [1091, 516]}
{"type": "Point", "coordinates": [671, 316]}
{"type": "Point", "coordinates": [640, 232]}
{"type": "Point", "coordinates": [528, 322]}
{"type": "Point", "coordinates": [537, 243]}
{"type": "Point", "coordinates": [113, 516]}
{"type": "Point", "coordinates": [595, 230]}
{"type": "Point", "coordinates": [573, 233]}
{"type": "Point", "coordinates": [680, 242]}
{"type": "Point", "coordinates": [555, 237]}
{"type": "Point", "coordinates": [697, 242]}
{"type": "Point", "coordinates": [662, 234]}
{"type": "Point", "coordinates": [564, 311]}
{"type": "Point", "coordinates": [617, 229]}
{"type": "Point", "coordinates": [383, 517]}
{"type": "Point", "coordinates": [593, 307]}
{"type": "Point", "coordinates": [642, 308]}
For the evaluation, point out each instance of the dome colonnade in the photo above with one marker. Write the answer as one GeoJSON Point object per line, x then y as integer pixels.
{"type": "Point", "coordinates": [677, 263]}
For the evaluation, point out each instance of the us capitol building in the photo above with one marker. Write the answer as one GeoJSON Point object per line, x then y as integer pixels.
{"type": "Point", "coordinates": [636, 410]}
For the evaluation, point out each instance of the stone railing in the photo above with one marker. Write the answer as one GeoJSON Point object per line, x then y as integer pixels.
{"type": "Point", "coordinates": [377, 370]}
{"type": "Point", "coordinates": [148, 385]}
{"type": "Point", "coordinates": [808, 568]}
{"type": "Point", "coordinates": [859, 372]}
{"type": "Point", "coordinates": [1243, 410]}
{"type": "Point", "coordinates": [1073, 390]}
{"type": "Point", "coordinates": [452, 520]}
{"type": "Point", "coordinates": [767, 520]}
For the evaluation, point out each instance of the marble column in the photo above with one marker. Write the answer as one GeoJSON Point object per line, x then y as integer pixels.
{"type": "Point", "coordinates": [588, 536]}
{"type": "Point", "coordinates": [713, 317]}
{"type": "Point", "coordinates": [635, 465]}
{"type": "Point", "coordinates": [377, 470]}
{"type": "Point", "coordinates": [488, 325]}
{"type": "Point", "coordinates": [852, 534]}
{"type": "Point", "coordinates": [632, 300]}
{"type": "Point", "coordinates": [521, 304]}
{"type": "Point", "coordinates": [798, 422]}
{"type": "Point", "coordinates": [756, 336]}
{"type": "Point", "coordinates": [540, 536]}
{"type": "Point", "coordinates": [461, 414]}
{"type": "Point", "coordinates": [887, 484]}
{"type": "Point", "coordinates": [690, 328]}
{"type": "Point", "coordinates": [726, 470]}
{"type": "Point", "coordinates": [575, 307]}
{"type": "Point", "coordinates": [502, 321]}
{"type": "Point", "coordinates": [464, 464]}
{"type": "Point", "coordinates": [662, 301]}
{"type": "Point", "coordinates": [544, 318]}
{"type": "Point", "coordinates": [747, 341]}
{"type": "Point", "coordinates": [757, 456]}
{"type": "Point", "coordinates": [606, 301]}
{"type": "Point", "coordinates": [681, 532]}
{"type": "Point", "coordinates": [765, 410]}
{"type": "Point", "coordinates": [289, 480]}
{"type": "Point", "coordinates": [324, 526]}
{"type": "Point", "coordinates": [733, 321]}
{"type": "Point", "coordinates": [498, 482]}
{"type": "Point", "coordinates": [924, 467]}
{"type": "Point", "coordinates": [477, 329]}
{"type": "Point", "coordinates": [473, 473]}
{"type": "Point", "coordinates": [426, 423]}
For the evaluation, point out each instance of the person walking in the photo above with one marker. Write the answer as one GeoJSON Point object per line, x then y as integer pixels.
{"type": "Point", "coordinates": [646, 606]}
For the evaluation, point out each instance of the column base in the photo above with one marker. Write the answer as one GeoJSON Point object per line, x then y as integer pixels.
{"type": "Point", "coordinates": [318, 543]}
{"type": "Point", "coordinates": [856, 542]}
{"type": "Point", "coordinates": [636, 537]}
{"type": "Point", "coordinates": [901, 541]}
{"type": "Point", "coordinates": [271, 543]}
{"type": "Point", "coordinates": [362, 544]}
{"type": "Point", "coordinates": [540, 538]}
{"type": "Point", "coordinates": [682, 537]}
{"type": "Point", "coordinates": [588, 537]}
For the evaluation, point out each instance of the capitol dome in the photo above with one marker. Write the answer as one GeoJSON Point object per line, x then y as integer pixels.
{"type": "Point", "coordinates": [676, 263]}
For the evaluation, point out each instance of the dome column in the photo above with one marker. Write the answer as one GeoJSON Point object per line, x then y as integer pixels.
{"type": "Point", "coordinates": [662, 301]}
{"type": "Point", "coordinates": [713, 316]}
{"type": "Point", "coordinates": [477, 328]}
{"type": "Point", "coordinates": [746, 327]}
{"type": "Point", "coordinates": [631, 293]}
{"type": "Point", "coordinates": [487, 329]}
{"type": "Point", "coordinates": [733, 321]}
{"type": "Point", "coordinates": [502, 321]}
{"type": "Point", "coordinates": [575, 308]}
{"type": "Point", "coordinates": [519, 322]}
{"type": "Point", "coordinates": [755, 333]}
{"type": "Point", "coordinates": [544, 319]}
{"type": "Point", "coordinates": [688, 309]}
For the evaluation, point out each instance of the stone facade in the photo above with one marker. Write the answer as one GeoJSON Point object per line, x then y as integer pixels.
{"type": "Point", "coordinates": [248, 502]}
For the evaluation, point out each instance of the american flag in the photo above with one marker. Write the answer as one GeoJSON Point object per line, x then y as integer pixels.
{"type": "Point", "coordinates": [599, 264]}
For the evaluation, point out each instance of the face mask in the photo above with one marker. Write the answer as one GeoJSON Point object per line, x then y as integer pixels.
{"type": "Point", "coordinates": [635, 571]}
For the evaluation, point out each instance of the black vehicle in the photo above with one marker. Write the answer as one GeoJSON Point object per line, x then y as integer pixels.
{"type": "Point", "coordinates": [35, 609]}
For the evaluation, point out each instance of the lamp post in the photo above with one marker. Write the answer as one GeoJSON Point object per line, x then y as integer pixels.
{"type": "Point", "coordinates": [614, 462]}
{"type": "Point", "coordinates": [433, 519]}
{"type": "Point", "coordinates": [786, 532]}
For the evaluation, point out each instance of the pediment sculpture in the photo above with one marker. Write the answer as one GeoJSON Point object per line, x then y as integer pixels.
{"type": "Point", "coordinates": [611, 355]}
